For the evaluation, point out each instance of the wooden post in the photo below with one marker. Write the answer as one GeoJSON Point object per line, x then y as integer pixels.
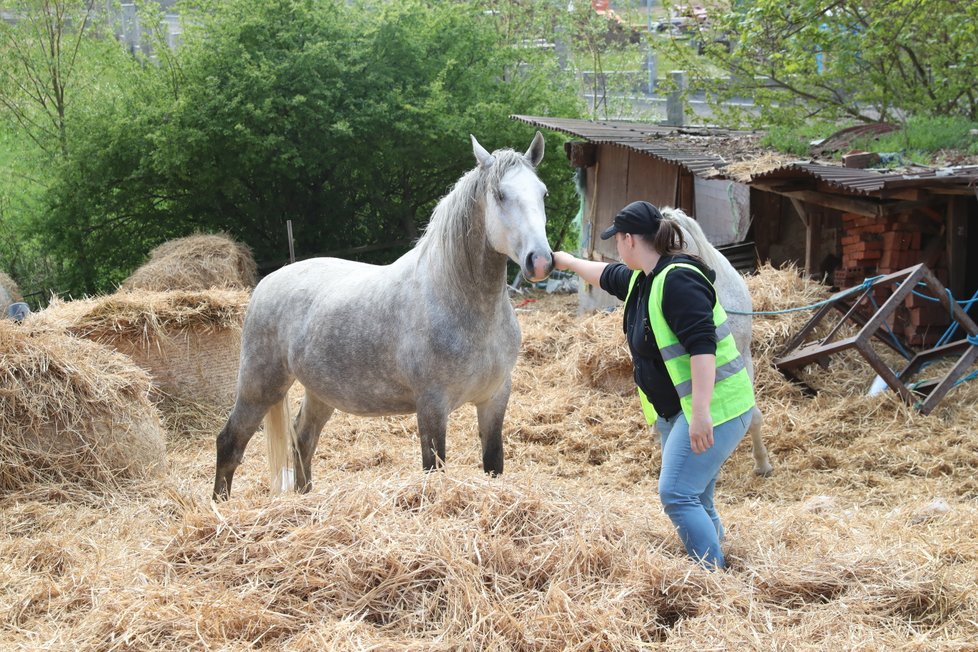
{"type": "Point", "coordinates": [809, 235]}
{"type": "Point", "coordinates": [675, 105]}
{"type": "Point", "coordinates": [288, 228]}
{"type": "Point", "coordinates": [957, 245]}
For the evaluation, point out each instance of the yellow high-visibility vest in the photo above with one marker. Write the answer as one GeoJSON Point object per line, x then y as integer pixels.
{"type": "Point", "coordinates": [733, 393]}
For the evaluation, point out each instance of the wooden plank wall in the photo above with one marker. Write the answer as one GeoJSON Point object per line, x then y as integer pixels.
{"type": "Point", "coordinates": [623, 176]}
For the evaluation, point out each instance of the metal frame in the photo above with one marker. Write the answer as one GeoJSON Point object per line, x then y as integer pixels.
{"type": "Point", "coordinates": [798, 353]}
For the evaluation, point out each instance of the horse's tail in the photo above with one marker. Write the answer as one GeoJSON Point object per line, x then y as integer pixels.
{"type": "Point", "coordinates": [281, 440]}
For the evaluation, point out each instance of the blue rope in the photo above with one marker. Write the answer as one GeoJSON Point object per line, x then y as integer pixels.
{"type": "Point", "coordinates": [971, 376]}
{"type": "Point", "coordinates": [965, 306]}
{"type": "Point", "coordinates": [865, 285]}
{"type": "Point", "coordinates": [858, 288]}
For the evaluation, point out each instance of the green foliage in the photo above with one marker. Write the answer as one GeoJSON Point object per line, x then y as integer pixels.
{"type": "Point", "coordinates": [19, 198]}
{"type": "Point", "coordinates": [926, 134]}
{"type": "Point", "coordinates": [796, 139]}
{"type": "Point", "coordinates": [350, 121]}
{"type": "Point", "coordinates": [849, 59]}
{"type": "Point", "coordinates": [919, 139]}
{"type": "Point", "coordinates": [58, 68]}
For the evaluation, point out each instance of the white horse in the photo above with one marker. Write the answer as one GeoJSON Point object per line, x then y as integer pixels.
{"type": "Point", "coordinates": [428, 333]}
{"type": "Point", "coordinates": [733, 295]}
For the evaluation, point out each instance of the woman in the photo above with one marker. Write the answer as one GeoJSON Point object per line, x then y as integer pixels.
{"type": "Point", "coordinates": [691, 379]}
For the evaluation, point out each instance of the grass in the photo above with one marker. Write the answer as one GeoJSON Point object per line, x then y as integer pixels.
{"type": "Point", "coordinates": [925, 135]}
{"type": "Point", "coordinates": [918, 140]}
{"type": "Point", "coordinates": [796, 139]}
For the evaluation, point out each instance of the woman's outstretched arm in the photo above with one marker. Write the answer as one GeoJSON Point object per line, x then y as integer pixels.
{"type": "Point", "coordinates": [589, 270]}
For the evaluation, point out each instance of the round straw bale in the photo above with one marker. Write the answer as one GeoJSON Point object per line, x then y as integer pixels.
{"type": "Point", "coordinates": [73, 410]}
{"type": "Point", "coordinates": [188, 341]}
{"type": "Point", "coordinates": [9, 292]}
{"type": "Point", "coordinates": [197, 262]}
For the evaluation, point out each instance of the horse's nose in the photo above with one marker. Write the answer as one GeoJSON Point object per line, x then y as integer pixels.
{"type": "Point", "coordinates": [539, 265]}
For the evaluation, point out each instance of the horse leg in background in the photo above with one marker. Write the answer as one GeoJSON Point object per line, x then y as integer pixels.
{"type": "Point", "coordinates": [491, 415]}
{"type": "Point", "coordinates": [258, 391]}
{"type": "Point", "coordinates": [313, 415]}
{"type": "Point", "coordinates": [762, 464]}
{"type": "Point", "coordinates": [432, 424]}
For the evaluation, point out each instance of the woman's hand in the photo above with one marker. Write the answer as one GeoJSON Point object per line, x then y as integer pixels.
{"type": "Point", "coordinates": [589, 270]}
{"type": "Point", "coordinates": [703, 368]}
{"type": "Point", "coordinates": [701, 433]}
{"type": "Point", "coordinates": [562, 260]}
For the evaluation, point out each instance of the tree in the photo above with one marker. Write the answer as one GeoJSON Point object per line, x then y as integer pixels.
{"type": "Point", "coordinates": [855, 59]}
{"type": "Point", "coordinates": [39, 66]}
{"type": "Point", "coordinates": [350, 121]}
{"type": "Point", "coordinates": [56, 64]}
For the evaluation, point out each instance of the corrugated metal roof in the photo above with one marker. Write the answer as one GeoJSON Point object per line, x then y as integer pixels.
{"type": "Point", "coordinates": [873, 182]}
{"type": "Point", "coordinates": [649, 139]}
{"type": "Point", "coordinates": [639, 136]}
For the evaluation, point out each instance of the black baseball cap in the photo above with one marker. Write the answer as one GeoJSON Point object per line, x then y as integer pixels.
{"type": "Point", "coordinates": [638, 217]}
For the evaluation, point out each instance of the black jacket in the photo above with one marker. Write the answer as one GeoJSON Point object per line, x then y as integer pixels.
{"type": "Point", "coordinates": [687, 304]}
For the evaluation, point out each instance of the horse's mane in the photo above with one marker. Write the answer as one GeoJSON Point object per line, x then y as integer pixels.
{"type": "Point", "coordinates": [698, 245]}
{"type": "Point", "coordinates": [454, 236]}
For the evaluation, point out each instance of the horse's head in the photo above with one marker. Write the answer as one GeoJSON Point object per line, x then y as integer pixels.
{"type": "Point", "coordinates": [516, 221]}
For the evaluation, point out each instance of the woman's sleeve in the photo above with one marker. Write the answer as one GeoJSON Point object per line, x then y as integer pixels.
{"type": "Point", "coordinates": [687, 305]}
{"type": "Point", "coordinates": [614, 280]}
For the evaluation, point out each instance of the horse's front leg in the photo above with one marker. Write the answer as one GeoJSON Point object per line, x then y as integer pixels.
{"type": "Point", "coordinates": [491, 415]}
{"type": "Point", "coordinates": [432, 424]}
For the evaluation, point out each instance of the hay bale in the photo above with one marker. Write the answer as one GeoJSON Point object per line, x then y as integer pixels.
{"type": "Point", "coordinates": [197, 262]}
{"type": "Point", "coordinates": [188, 341]}
{"type": "Point", "coordinates": [9, 293]}
{"type": "Point", "coordinates": [72, 410]}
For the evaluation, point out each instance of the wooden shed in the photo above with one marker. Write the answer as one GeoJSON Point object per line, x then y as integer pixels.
{"type": "Point", "coordinates": [668, 166]}
{"type": "Point", "coordinates": [839, 224]}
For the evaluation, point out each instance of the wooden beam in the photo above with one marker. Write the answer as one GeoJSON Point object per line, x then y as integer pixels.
{"type": "Point", "coordinates": [957, 245]}
{"type": "Point", "coordinates": [809, 222]}
{"type": "Point", "coordinates": [962, 191]}
{"type": "Point", "coordinates": [848, 204]}
{"type": "Point", "coordinates": [844, 204]}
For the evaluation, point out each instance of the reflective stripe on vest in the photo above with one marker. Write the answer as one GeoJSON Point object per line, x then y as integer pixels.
{"type": "Point", "coordinates": [733, 393]}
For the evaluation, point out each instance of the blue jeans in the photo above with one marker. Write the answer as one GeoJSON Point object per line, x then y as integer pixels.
{"type": "Point", "coordinates": [687, 480]}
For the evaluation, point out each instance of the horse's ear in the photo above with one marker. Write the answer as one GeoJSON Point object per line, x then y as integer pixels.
{"type": "Point", "coordinates": [484, 158]}
{"type": "Point", "coordinates": [535, 154]}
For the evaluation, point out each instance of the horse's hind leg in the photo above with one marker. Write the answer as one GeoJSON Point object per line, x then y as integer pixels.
{"type": "Point", "coordinates": [256, 394]}
{"type": "Point", "coordinates": [308, 425]}
{"type": "Point", "coordinates": [762, 464]}
{"type": "Point", "coordinates": [491, 415]}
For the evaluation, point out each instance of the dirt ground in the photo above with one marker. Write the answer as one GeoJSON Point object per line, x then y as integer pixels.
{"type": "Point", "coordinates": [863, 538]}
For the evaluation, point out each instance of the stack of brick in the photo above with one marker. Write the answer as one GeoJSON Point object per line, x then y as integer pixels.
{"type": "Point", "coordinates": [884, 245]}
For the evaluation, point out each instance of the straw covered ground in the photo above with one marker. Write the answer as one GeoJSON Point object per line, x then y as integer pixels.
{"type": "Point", "coordinates": [864, 537]}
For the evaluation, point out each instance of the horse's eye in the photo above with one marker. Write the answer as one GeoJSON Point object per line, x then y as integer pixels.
{"type": "Point", "coordinates": [501, 197]}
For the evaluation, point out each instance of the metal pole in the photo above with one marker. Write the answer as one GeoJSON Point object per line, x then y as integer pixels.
{"type": "Point", "coordinates": [676, 102]}
{"type": "Point", "coordinates": [649, 55]}
{"type": "Point", "coordinates": [288, 227]}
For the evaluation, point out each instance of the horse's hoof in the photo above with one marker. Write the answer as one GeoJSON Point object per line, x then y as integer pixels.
{"type": "Point", "coordinates": [765, 471]}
